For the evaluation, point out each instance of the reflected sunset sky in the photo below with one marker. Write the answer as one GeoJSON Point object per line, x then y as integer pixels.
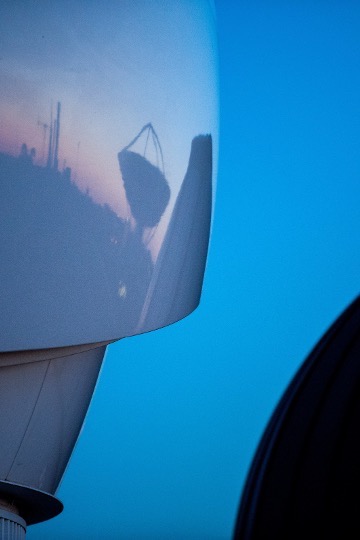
{"type": "Point", "coordinates": [107, 67]}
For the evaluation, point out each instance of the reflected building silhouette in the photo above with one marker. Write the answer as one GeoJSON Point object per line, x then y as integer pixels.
{"type": "Point", "coordinates": [27, 157]}
{"type": "Point", "coordinates": [66, 250]}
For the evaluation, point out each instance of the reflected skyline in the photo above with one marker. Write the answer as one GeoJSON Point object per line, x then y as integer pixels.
{"type": "Point", "coordinates": [105, 81]}
{"type": "Point", "coordinates": [62, 250]}
{"type": "Point", "coordinates": [157, 191]}
{"type": "Point", "coordinates": [89, 193]}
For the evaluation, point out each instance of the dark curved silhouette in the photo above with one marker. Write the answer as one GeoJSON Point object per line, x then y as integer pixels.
{"type": "Point", "coordinates": [304, 480]}
{"type": "Point", "coordinates": [146, 188]}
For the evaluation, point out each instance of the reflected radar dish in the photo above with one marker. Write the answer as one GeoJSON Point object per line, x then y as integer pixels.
{"type": "Point", "coordinates": [146, 187]}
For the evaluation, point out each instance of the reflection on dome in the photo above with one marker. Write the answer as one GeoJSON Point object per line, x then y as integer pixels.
{"type": "Point", "coordinates": [64, 249]}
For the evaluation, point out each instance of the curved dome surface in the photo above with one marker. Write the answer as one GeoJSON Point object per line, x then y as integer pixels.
{"type": "Point", "coordinates": [80, 236]}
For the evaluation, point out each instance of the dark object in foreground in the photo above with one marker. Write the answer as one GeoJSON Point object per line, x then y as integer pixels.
{"type": "Point", "coordinates": [304, 480]}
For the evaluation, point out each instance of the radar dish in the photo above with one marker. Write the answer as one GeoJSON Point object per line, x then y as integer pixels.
{"type": "Point", "coordinates": [146, 187]}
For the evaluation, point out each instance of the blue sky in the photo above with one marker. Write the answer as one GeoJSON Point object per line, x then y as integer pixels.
{"type": "Point", "coordinates": [177, 413]}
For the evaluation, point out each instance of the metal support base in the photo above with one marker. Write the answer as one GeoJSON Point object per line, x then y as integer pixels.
{"type": "Point", "coordinates": [31, 504]}
{"type": "Point", "coordinates": [12, 526]}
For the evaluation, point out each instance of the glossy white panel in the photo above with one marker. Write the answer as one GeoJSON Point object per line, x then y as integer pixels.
{"type": "Point", "coordinates": [107, 120]}
{"type": "Point", "coordinates": [43, 405]}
